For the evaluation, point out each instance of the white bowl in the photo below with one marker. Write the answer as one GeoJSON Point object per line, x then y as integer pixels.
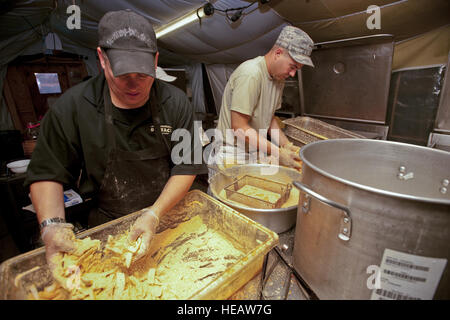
{"type": "Point", "coordinates": [19, 166]}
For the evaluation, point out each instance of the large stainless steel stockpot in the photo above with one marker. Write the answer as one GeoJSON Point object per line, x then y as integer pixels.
{"type": "Point", "coordinates": [360, 197]}
{"type": "Point", "coordinates": [278, 220]}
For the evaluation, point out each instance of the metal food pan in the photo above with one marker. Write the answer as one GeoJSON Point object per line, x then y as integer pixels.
{"type": "Point", "coordinates": [298, 137]}
{"type": "Point", "coordinates": [252, 238]}
{"type": "Point", "coordinates": [305, 130]}
{"type": "Point", "coordinates": [278, 220]}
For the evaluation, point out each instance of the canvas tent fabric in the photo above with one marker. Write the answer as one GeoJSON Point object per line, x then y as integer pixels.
{"type": "Point", "coordinates": [329, 20]}
{"type": "Point", "coordinates": [429, 49]}
{"type": "Point", "coordinates": [218, 75]}
{"type": "Point", "coordinates": [217, 40]}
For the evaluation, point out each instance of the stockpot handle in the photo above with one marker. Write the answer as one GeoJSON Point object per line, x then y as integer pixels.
{"type": "Point", "coordinates": [346, 221]}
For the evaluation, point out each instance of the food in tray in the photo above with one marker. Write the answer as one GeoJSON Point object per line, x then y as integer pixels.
{"type": "Point", "coordinates": [300, 162]}
{"type": "Point", "coordinates": [259, 193]}
{"type": "Point", "coordinates": [180, 262]}
{"type": "Point", "coordinates": [291, 201]}
{"type": "Point", "coordinates": [297, 150]}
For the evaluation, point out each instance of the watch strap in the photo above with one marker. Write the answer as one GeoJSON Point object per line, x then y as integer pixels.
{"type": "Point", "coordinates": [50, 221]}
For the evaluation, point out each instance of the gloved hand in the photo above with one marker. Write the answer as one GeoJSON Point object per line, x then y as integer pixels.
{"type": "Point", "coordinates": [267, 159]}
{"type": "Point", "coordinates": [57, 238]}
{"type": "Point", "coordinates": [290, 146]}
{"type": "Point", "coordinates": [144, 227]}
{"type": "Point", "coordinates": [289, 158]}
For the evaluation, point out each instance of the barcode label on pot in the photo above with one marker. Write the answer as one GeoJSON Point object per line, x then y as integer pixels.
{"type": "Point", "coordinates": [392, 295]}
{"type": "Point", "coordinates": [404, 276]}
{"type": "Point", "coordinates": [408, 277]}
{"type": "Point", "coordinates": [406, 265]}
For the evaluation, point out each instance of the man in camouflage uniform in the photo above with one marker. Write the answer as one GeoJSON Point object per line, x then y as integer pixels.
{"type": "Point", "coordinates": [251, 97]}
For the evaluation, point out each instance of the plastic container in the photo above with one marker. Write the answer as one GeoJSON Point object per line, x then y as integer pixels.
{"type": "Point", "coordinates": [19, 166]}
{"type": "Point", "coordinates": [254, 239]}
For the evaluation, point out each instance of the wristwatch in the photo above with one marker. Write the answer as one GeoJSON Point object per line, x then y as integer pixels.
{"type": "Point", "coordinates": [50, 221]}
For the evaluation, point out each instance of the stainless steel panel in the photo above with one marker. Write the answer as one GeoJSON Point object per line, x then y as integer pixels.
{"type": "Point", "coordinates": [368, 130]}
{"type": "Point", "coordinates": [443, 113]}
{"type": "Point", "coordinates": [290, 100]}
{"type": "Point", "coordinates": [301, 91]}
{"type": "Point", "coordinates": [349, 82]}
{"type": "Point", "coordinates": [413, 103]}
{"type": "Point", "coordinates": [439, 141]}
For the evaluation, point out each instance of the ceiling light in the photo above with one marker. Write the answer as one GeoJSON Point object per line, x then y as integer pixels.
{"type": "Point", "coordinates": [206, 10]}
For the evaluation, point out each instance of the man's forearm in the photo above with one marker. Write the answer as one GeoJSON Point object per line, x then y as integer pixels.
{"type": "Point", "coordinates": [282, 139]}
{"type": "Point", "coordinates": [254, 140]}
{"type": "Point", "coordinates": [248, 135]}
{"type": "Point", "coordinates": [174, 190]}
{"type": "Point", "coordinates": [48, 199]}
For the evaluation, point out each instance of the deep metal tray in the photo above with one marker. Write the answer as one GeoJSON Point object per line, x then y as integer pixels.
{"type": "Point", "coordinates": [252, 238]}
{"type": "Point", "coordinates": [304, 130]}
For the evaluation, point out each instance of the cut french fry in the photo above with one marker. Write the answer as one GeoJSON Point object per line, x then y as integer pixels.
{"type": "Point", "coordinates": [151, 275]}
{"type": "Point", "coordinates": [128, 257]}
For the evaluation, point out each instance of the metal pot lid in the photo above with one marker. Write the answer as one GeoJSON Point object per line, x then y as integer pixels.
{"type": "Point", "coordinates": [390, 168]}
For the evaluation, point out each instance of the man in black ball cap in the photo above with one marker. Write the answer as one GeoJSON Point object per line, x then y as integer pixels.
{"type": "Point", "coordinates": [110, 138]}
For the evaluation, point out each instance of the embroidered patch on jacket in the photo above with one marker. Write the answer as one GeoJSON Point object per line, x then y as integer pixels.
{"type": "Point", "coordinates": [165, 129]}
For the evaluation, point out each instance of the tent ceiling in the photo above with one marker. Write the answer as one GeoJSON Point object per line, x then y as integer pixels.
{"type": "Point", "coordinates": [216, 39]}
{"type": "Point", "coordinates": [329, 20]}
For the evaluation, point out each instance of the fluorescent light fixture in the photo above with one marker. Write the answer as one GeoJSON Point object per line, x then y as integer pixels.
{"type": "Point", "coordinates": [206, 10]}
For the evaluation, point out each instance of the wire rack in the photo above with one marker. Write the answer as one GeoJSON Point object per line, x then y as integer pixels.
{"type": "Point", "coordinates": [233, 192]}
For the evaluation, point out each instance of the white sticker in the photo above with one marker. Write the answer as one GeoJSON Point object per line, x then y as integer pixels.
{"type": "Point", "coordinates": [408, 277]}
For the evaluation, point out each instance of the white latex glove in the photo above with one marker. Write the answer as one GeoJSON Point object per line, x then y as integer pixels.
{"type": "Point", "coordinates": [58, 238]}
{"type": "Point", "coordinates": [267, 159]}
{"type": "Point", "coordinates": [290, 146]}
{"type": "Point", "coordinates": [289, 158]}
{"type": "Point", "coordinates": [144, 227]}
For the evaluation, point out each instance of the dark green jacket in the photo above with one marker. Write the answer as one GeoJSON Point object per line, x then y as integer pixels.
{"type": "Point", "coordinates": [73, 135]}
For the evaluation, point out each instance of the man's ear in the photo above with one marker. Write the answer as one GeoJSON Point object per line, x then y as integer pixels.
{"type": "Point", "coordinates": [278, 52]}
{"type": "Point", "coordinates": [100, 57]}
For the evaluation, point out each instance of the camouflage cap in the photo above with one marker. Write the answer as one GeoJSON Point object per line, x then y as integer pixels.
{"type": "Point", "coordinates": [298, 44]}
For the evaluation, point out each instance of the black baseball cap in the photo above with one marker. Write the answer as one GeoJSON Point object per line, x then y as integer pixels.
{"type": "Point", "coordinates": [129, 42]}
